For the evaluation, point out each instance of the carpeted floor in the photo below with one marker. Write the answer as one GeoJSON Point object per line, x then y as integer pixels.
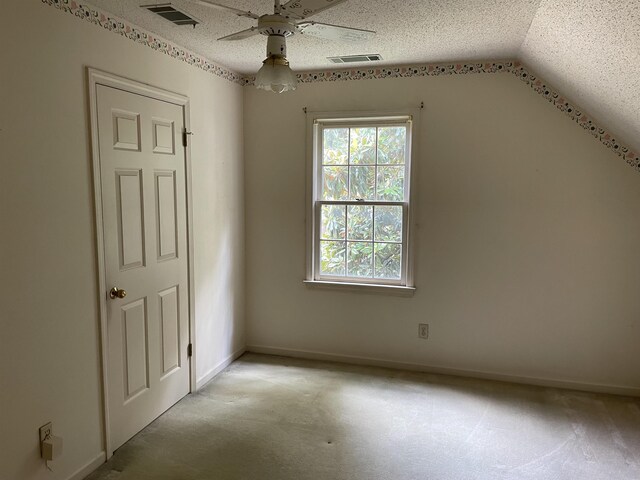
{"type": "Point", "coordinates": [274, 418]}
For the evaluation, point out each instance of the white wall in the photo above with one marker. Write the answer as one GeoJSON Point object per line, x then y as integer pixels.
{"type": "Point", "coordinates": [527, 257]}
{"type": "Point", "coordinates": [49, 341]}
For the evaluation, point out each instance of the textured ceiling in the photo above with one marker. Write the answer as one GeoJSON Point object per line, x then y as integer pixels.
{"type": "Point", "coordinates": [408, 31]}
{"type": "Point", "coordinates": [588, 49]}
{"type": "Point", "coordinates": [591, 51]}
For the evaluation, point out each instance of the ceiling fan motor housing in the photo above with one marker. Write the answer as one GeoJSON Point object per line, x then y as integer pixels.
{"type": "Point", "coordinates": [276, 25]}
{"type": "Point", "coordinates": [276, 46]}
{"type": "Point", "coordinates": [277, 28]}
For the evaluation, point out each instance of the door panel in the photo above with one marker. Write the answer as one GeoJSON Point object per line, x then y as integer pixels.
{"type": "Point", "coordinates": [126, 130]}
{"type": "Point", "coordinates": [170, 329]}
{"type": "Point", "coordinates": [142, 167]}
{"type": "Point", "coordinates": [163, 136]}
{"type": "Point", "coordinates": [130, 218]}
{"type": "Point", "coordinates": [166, 210]}
{"type": "Point", "coordinates": [135, 349]}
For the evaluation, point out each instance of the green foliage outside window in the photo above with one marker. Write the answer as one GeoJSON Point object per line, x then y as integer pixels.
{"type": "Point", "coordinates": [362, 164]}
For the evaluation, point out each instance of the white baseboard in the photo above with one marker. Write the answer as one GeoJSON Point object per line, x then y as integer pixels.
{"type": "Point", "coordinates": [377, 362]}
{"type": "Point", "coordinates": [207, 377]}
{"type": "Point", "coordinates": [82, 472]}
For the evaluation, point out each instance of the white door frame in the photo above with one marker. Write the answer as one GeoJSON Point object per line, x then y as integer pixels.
{"type": "Point", "coordinates": [95, 78]}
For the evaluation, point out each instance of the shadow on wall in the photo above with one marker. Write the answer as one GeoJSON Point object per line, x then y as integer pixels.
{"type": "Point", "coordinates": [218, 303]}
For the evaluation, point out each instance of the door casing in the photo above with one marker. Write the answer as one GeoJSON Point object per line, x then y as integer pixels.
{"type": "Point", "coordinates": [94, 78]}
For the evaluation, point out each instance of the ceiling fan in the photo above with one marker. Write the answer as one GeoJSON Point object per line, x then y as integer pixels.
{"type": "Point", "coordinates": [286, 20]}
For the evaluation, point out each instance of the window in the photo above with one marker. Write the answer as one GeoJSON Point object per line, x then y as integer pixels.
{"type": "Point", "coordinates": [360, 205]}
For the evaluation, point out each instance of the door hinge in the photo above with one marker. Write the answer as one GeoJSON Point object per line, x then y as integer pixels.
{"type": "Point", "coordinates": [190, 350]}
{"type": "Point", "coordinates": [185, 134]}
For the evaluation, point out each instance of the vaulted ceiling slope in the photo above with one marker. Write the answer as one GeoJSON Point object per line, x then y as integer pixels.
{"type": "Point", "coordinates": [408, 31]}
{"type": "Point", "coordinates": [588, 50]}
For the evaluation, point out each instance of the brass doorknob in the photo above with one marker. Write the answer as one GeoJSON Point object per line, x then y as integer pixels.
{"type": "Point", "coordinates": [116, 292]}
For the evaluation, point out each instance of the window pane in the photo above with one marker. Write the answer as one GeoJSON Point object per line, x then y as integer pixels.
{"type": "Point", "coordinates": [391, 144]}
{"type": "Point", "coordinates": [391, 184]}
{"type": "Point", "coordinates": [362, 182]}
{"type": "Point", "coordinates": [388, 224]}
{"type": "Point", "coordinates": [332, 222]}
{"type": "Point", "coordinates": [388, 259]}
{"type": "Point", "coordinates": [360, 222]}
{"type": "Point", "coordinates": [359, 259]}
{"type": "Point", "coordinates": [363, 146]}
{"type": "Point", "coordinates": [332, 256]}
{"type": "Point", "coordinates": [335, 150]}
{"type": "Point", "coordinates": [334, 183]}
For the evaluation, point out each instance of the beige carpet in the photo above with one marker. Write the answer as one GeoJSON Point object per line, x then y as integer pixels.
{"type": "Point", "coordinates": [276, 418]}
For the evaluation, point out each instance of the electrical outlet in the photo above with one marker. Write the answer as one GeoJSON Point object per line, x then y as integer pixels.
{"type": "Point", "coordinates": [423, 330]}
{"type": "Point", "coordinates": [45, 432]}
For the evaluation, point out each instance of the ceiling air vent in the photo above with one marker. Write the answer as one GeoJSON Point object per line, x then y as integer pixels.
{"type": "Point", "coordinates": [374, 57]}
{"type": "Point", "coordinates": [171, 13]}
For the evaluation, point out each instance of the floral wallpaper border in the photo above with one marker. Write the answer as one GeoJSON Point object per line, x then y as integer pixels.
{"type": "Point", "coordinates": [399, 72]}
{"type": "Point", "coordinates": [130, 31]}
{"type": "Point", "coordinates": [577, 115]}
{"type": "Point", "coordinates": [516, 68]}
{"type": "Point", "coordinates": [138, 35]}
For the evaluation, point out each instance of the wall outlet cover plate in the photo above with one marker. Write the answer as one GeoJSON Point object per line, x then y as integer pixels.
{"type": "Point", "coordinates": [45, 430]}
{"type": "Point", "coordinates": [423, 330]}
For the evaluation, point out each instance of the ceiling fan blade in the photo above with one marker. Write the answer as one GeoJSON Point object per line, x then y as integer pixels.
{"type": "Point", "coordinates": [249, 32]}
{"type": "Point", "coordinates": [334, 32]}
{"type": "Point", "coordinates": [218, 6]}
{"type": "Point", "coordinates": [305, 8]}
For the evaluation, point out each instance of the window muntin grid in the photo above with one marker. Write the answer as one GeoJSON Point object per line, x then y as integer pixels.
{"type": "Point", "coordinates": [362, 211]}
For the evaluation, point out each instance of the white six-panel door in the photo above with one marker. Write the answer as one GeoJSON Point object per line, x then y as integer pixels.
{"type": "Point", "coordinates": [142, 169]}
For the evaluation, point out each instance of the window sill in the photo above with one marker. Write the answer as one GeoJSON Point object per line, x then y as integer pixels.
{"type": "Point", "coordinates": [397, 290]}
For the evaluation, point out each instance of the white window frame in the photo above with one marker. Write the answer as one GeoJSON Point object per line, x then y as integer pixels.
{"type": "Point", "coordinates": [316, 121]}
